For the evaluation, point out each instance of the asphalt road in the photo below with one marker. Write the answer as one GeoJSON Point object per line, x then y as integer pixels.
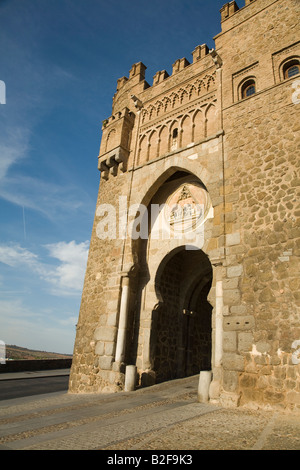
{"type": "Point", "coordinates": [32, 386]}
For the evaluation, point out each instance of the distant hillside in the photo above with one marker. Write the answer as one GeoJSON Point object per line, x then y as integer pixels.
{"type": "Point", "coordinates": [17, 353]}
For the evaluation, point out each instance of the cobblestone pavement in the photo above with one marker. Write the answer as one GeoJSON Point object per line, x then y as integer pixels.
{"type": "Point", "coordinates": [162, 417]}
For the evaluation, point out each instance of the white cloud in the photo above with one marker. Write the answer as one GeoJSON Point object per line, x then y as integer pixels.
{"type": "Point", "coordinates": [67, 276]}
{"type": "Point", "coordinates": [47, 198]}
{"type": "Point", "coordinates": [73, 257]}
{"type": "Point", "coordinates": [15, 255]}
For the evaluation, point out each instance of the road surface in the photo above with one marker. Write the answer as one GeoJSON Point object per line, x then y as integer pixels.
{"type": "Point", "coordinates": [32, 386]}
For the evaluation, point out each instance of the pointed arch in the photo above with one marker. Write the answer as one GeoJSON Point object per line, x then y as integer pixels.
{"type": "Point", "coordinates": [163, 141]}
{"type": "Point", "coordinates": [143, 150]}
{"type": "Point", "coordinates": [174, 136]}
{"type": "Point", "coordinates": [153, 145]}
{"type": "Point", "coordinates": [198, 126]}
{"type": "Point", "coordinates": [110, 140]}
{"type": "Point", "coordinates": [186, 131]}
{"type": "Point", "coordinates": [211, 115]}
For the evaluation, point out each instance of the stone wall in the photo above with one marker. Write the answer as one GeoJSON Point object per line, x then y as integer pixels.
{"type": "Point", "coordinates": [261, 174]}
{"type": "Point", "coordinates": [94, 347]}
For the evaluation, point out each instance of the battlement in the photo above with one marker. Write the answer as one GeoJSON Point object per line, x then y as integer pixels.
{"type": "Point", "coordinates": [137, 71]}
{"type": "Point", "coordinates": [230, 8]}
{"type": "Point", "coordinates": [125, 113]}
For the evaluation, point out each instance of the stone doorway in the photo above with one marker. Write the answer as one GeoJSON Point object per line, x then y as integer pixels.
{"type": "Point", "coordinates": [181, 329]}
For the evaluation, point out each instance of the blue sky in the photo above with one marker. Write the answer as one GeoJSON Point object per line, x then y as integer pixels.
{"type": "Point", "coordinates": [60, 61]}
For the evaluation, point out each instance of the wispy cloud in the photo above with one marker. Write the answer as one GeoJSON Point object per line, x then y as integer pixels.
{"type": "Point", "coordinates": [13, 148]}
{"type": "Point", "coordinates": [15, 255]}
{"type": "Point", "coordinates": [66, 277]}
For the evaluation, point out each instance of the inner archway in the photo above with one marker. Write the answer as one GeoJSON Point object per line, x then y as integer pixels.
{"type": "Point", "coordinates": [181, 332]}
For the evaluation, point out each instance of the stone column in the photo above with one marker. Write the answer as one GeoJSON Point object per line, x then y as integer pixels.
{"type": "Point", "coordinates": [215, 386]}
{"type": "Point", "coordinates": [130, 378]}
{"type": "Point", "coordinates": [122, 328]}
{"type": "Point", "coordinates": [203, 386]}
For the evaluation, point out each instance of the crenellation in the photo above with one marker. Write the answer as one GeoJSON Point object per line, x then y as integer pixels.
{"type": "Point", "coordinates": [159, 77]}
{"type": "Point", "coordinates": [137, 71]}
{"type": "Point", "coordinates": [200, 52]}
{"type": "Point", "coordinates": [121, 82]}
{"type": "Point", "coordinates": [228, 10]}
{"type": "Point", "coordinates": [179, 65]}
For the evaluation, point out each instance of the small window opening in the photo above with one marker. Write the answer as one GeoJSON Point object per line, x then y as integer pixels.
{"type": "Point", "coordinates": [174, 139]}
{"type": "Point", "coordinates": [292, 71]}
{"type": "Point", "coordinates": [248, 89]}
{"type": "Point", "coordinates": [291, 68]}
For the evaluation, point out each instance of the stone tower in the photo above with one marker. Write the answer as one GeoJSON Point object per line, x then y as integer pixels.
{"type": "Point", "coordinates": [194, 255]}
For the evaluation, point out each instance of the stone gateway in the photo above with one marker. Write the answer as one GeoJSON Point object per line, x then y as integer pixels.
{"type": "Point", "coordinates": [194, 255]}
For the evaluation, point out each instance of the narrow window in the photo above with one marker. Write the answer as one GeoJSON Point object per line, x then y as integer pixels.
{"type": "Point", "coordinates": [292, 71]}
{"type": "Point", "coordinates": [248, 89]}
{"type": "Point", "coordinates": [291, 68]}
{"type": "Point", "coordinates": [174, 139]}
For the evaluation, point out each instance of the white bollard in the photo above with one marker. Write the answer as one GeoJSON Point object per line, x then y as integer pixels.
{"type": "Point", "coordinates": [203, 387]}
{"type": "Point", "coordinates": [130, 378]}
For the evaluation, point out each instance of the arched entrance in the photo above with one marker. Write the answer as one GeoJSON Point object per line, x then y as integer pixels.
{"type": "Point", "coordinates": [169, 333]}
{"type": "Point", "coordinates": [181, 329]}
